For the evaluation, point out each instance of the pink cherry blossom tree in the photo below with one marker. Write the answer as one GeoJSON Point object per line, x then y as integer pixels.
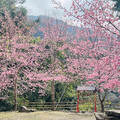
{"type": "Point", "coordinates": [26, 65]}
{"type": "Point", "coordinates": [99, 64]}
{"type": "Point", "coordinates": [55, 40]}
{"type": "Point", "coordinates": [99, 44]}
{"type": "Point", "coordinates": [18, 58]}
{"type": "Point", "coordinates": [95, 13]}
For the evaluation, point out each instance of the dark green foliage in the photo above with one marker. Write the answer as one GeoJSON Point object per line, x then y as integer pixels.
{"type": "Point", "coordinates": [47, 47]}
{"type": "Point", "coordinates": [37, 20]}
{"type": "Point", "coordinates": [32, 96]}
{"type": "Point", "coordinates": [65, 92]}
{"type": "Point", "coordinates": [5, 105]}
{"type": "Point", "coordinates": [117, 5]}
{"type": "Point", "coordinates": [16, 13]}
{"type": "Point", "coordinates": [10, 5]}
{"type": "Point", "coordinates": [22, 101]}
{"type": "Point", "coordinates": [20, 1]}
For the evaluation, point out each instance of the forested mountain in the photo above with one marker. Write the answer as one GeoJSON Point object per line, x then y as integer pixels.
{"type": "Point", "coordinates": [69, 28]}
{"type": "Point", "coordinates": [41, 19]}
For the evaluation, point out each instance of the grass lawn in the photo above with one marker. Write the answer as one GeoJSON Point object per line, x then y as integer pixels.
{"type": "Point", "coordinates": [46, 115]}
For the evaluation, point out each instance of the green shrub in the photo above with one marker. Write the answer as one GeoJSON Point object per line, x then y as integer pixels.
{"type": "Point", "coordinates": [86, 107]}
{"type": "Point", "coordinates": [22, 101]}
{"type": "Point", "coordinates": [6, 105]}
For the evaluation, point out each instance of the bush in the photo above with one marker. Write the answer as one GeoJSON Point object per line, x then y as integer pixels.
{"type": "Point", "coordinates": [22, 101]}
{"type": "Point", "coordinates": [6, 105]}
{"type": "Point", "coordinates": [86, 107]}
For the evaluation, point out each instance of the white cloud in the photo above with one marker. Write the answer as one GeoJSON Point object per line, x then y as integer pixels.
{"type": "Point", "coordinates": [37, 7]}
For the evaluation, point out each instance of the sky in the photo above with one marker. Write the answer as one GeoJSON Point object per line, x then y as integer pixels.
{"type": "Point", "coordinates": [44, 7]}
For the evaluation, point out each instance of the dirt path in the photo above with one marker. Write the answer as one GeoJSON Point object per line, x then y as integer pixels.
{"type": "Point", "coordinates": [46, 115]}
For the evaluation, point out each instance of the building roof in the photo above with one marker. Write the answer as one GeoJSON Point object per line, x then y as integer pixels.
{"type": "Point", "coordinates": [85, 88]}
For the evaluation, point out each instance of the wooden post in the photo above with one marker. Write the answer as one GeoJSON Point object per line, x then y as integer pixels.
{"type": "Point", "coordinates": [53, 94]}
{"type": "Point", "coordinates": [95, 109]}
{"type": "Point", "coordinates": [15, 94]}
{"type": "Point", "coordinates": [77, 109]}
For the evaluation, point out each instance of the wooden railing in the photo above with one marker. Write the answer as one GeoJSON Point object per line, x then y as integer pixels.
{"type": "Point", "coordinates": [72, 105]}
{"type": "Point", "coordinates": [112, 104]}
{"type": "Point", "coordinates": [48, 105]}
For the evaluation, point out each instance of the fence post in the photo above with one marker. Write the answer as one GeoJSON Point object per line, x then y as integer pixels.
{"type": "Point", "coordinates": [95, 109]}
{"type": "Point", "coordinates": [77, 109]}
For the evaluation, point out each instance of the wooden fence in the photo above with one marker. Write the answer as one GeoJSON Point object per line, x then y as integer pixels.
{"type": "Point", "coordinates": [71, 106]}
{"type": "Point", "coordinates": [48, 105]}
{"type": "Point", "coordinates": [112, 104]}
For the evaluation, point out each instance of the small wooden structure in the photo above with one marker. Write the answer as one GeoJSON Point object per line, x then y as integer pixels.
{"type": "Point", "coordinates": [91, 91]}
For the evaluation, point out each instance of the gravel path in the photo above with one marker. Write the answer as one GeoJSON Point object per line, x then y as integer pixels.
{"type": "Point", "coordinates": [46, 115]}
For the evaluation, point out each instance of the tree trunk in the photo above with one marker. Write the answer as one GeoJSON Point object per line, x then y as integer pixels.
{"type": "Point", "coordinates": [53, 94]}
{"type": "Point", "coordinates": [101, 101]}
{"type": "Point", "coordinates": [15, 95]}
{"type": "Point", "coordinates": [102, 105]}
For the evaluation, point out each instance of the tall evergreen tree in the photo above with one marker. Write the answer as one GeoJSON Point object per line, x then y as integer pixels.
{"type": "Point", "coordinates": [16, 12]}
{"type": "Point", "coordinates": [10, 5]}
